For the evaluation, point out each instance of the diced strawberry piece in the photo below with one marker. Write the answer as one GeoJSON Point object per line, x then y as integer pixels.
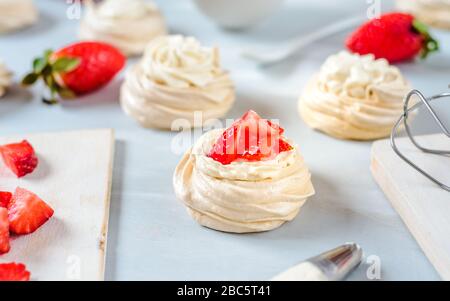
{"type": "Point", "coordinates": [14, 272]}
{"type": "Point", "coordinates": [27, 212]}
{"type": "Point", "coordinates": [4, 231]}
{"type": "Point", "coordinates": [5, 197]}
{"type": "Point", "coordinates": [284, 146]}
{"type": "Point", "coordinates": [276, 127]}
{"type": "Point", "coordinates": [250, 138]}
{"type": "Point", "coordinates": [223, 150]}
{"type": "Point", "coordinates": [19, 157]}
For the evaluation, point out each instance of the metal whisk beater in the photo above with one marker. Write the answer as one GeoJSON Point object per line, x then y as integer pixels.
{"type": "Point", "coordinates": [404, 120]}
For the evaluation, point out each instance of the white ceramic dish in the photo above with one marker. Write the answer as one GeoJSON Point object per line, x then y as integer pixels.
{"type": "Point", "coordinates": [238, 14]}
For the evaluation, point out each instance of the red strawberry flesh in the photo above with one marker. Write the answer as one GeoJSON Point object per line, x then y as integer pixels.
{"type": "Point", "coordinates": [5, 197]}
{"type": "Point", "coordinates": [250, 138]}
{"type": "Point", "coordinates": [19, 157]}
{"type": "Point", "coordinates": [4, 231]}
{"type": "Point", "coordinates": [100, 62]}
{"type": "Point", "coordinates": [27, 212]}
{"type": "Point", "coordinates": [14, 272]}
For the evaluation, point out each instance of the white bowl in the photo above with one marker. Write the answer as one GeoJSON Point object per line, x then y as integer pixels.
{"type": "Point", "coordinates": [238, 14]}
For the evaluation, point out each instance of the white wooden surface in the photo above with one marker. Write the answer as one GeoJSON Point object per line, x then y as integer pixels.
{"type": "Point", "coordinates": [423, 206]}
{"type": "Point", "coordinates": [74, 177]}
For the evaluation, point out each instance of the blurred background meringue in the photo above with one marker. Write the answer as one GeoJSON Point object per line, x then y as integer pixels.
{"type": "Point", "coordinates": [5, 78]}
{"type": "Point", "coordinates": [16, 14]}
{"type": "Point", "coordinates": [128, 25]}
{"type": "Point", "coordinates": [432, 12]}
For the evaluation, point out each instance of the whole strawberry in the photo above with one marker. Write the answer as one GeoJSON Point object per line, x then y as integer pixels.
{"type": "Point", "coordinates": [394, 36]}
{"type": "Point", "coordinates": [76, 69]}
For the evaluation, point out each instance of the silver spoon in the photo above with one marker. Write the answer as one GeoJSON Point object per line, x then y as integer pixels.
{"type": "Point", "coordinates": [270, 56]}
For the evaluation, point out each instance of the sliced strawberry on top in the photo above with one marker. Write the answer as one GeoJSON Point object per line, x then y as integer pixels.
{"type": "Point", "coordinates": [4, 231]}
{"type": "Point", "coordinates": [250, 138]}
{"type": "Point", "coordinates": [284, 146]}
{"type": "Point", "coordinates": [76, 69]}
{"type": "Point", "coordinates": [14, 272]}
{"type": "Point", "coordinates": [19, 157]}
{"type": "Point", "coordinates": [5, 197]}
{"type": "Point", "coordinates": [27, 212]}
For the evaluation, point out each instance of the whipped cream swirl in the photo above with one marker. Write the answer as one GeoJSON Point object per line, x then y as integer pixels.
{"type": "Point", "coordinates": [354, 97]}
{"type": "Point", "coordinates": [176, 78]}
{"type": "Point", "coordinates": [16, 14]}
{"type": "Point", "coordinates": [242, 196]}
{"type": "Point", "coordinates": [128, 25]}
{"type": "Point", "coordinates": [5, 78]}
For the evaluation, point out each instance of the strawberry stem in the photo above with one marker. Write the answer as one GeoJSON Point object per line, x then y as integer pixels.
{"type": "Point", "coordinates": [429, 43]}
{"type": "Point", "coordinates": [47, 70]}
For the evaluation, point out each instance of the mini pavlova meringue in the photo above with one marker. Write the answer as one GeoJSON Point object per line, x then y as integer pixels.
{"type": "Point", "coordinates": [128, 25]}
{"type": "Point", "coordinates": [5, 78]}
{"type": "Point", "coordinates": [234, 181]}
{"type": "Point", "coordinates": [432, 12]}
{"type": "Point", "coordinates": [17, 14]}
{"type": "Point", "coordinates": [354, 97]}
{"type": "Point", "coordinates": [176, 78]}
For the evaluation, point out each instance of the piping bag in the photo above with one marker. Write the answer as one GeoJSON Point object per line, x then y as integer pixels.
{"type": "Point", "coordinates": [333, 265]}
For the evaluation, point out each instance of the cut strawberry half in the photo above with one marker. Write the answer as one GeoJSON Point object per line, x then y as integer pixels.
{"type": "Point", "coordinates": [4, 231]}
{"type": "Point", "coordinates": [14, 272]}
{"type": "Point", "coordinates": [19, 157]}
{"type": "Point", "coordinates": [5, 197]}
{"type": "Point", "coordinates": [27, 212]}
{"type": "Point", "coordinates": [250, 138]}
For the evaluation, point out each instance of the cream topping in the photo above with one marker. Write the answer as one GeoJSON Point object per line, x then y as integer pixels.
{"type": "Point", "coordinates": [16, 14]}
{"type": "Point", "coordinates": [305, 271]}
{"type": "Point", "coordinates": [181, 62]}
{"type": "Point", "coordinates": [354, 97]}
{"type": "Point", "coordinates": [175, 78]}
{"type": "Point", "coordinates": [129, 25]}
{"type": "Point", "coordinates": [242, 196]}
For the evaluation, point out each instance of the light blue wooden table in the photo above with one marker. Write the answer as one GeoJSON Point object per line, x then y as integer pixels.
{"type": "Point", "coordinates": [151, 237]}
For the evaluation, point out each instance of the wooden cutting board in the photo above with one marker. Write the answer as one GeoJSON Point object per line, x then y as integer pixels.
{"type": "Point", "coordinates": [423, 206]}
{"type": "Point", "coordinates": [73, 176]}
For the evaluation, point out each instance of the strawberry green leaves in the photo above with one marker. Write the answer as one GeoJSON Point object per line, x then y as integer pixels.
{"type": "Point", "coordinates": [429, 44]}
{"type": "Point", "coordinates": [66, 64]}
{"type": "Point", "coordinates": [40, 63]}
{"type": "Point", "coordinates": [47, 69]}
{"type": "Point", "coordinates": [30, 79]}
